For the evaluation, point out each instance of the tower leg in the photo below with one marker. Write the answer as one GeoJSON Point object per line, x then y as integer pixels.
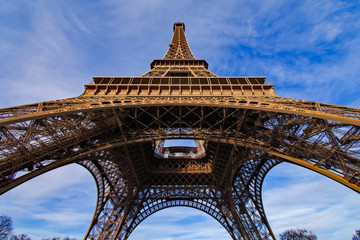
{"type": "Point", "coordinates": [111, 207]}
{"type": "Point", "coordinates": [246, 203]}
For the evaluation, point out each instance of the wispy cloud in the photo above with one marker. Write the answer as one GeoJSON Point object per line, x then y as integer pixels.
{"type": "Point", "coordinates": [323, 209]}
{"type": "Point", "coordinates": [308, 45]}
{"type": "Point", "coordinates": [42, 60]}
{"type": "Point", "coordinates": [180, 223]}
{"type": "Point", "coordinates": [57, 203]}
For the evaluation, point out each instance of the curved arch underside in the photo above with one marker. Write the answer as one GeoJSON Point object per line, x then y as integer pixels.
{"type": "Point", "coordinates": [239, 209]}
{"type": "Point", "coordinates": [114, 140]}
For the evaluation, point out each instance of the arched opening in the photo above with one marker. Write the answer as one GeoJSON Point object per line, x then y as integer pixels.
{"type": "Point", "coordinates": [58, 203]}
{"type": "Point", "coordinates": [180, 223]}
{"type": "Point", "coordinates": [295, 197]}
{"type": "Point", "coordinates": [61, 202]}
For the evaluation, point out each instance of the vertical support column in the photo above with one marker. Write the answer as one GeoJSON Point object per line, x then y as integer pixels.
{"type": "Point", "coordinates": [112, 199]}
{"type": "Point", "coordinates": [246, 204]}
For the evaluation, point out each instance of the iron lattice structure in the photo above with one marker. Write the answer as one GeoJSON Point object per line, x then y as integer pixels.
{"type": "Point", "coordinates": [113, 127]}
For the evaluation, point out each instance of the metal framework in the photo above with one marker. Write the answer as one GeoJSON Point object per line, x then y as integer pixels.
{"type": "Point", "coordinates": [112, 128]}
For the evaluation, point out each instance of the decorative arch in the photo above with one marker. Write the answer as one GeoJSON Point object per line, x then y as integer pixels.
{"type": "Point", "coordinates": [207, 207]}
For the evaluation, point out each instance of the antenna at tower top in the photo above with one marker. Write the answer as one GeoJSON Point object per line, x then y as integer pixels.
{"type": "Point", "coordinates": [179, 24]}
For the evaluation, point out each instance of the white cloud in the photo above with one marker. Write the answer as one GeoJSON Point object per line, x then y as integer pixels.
{"type": "Point", "coordinates": [62, 202]}
{"type": "Point", "coordinates": [298, 198]}
{"type": "Point", "coordinates": [180, 223]}
{"type": "Point", "coordinates": [56, 54]}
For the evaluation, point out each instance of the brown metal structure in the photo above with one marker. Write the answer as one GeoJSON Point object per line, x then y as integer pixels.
{"type": "Point", "coordinates": [245, 128]}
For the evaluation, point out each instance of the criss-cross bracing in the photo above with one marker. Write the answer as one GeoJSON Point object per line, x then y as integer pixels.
{"type": "Point", "coordinates": [114, 128]}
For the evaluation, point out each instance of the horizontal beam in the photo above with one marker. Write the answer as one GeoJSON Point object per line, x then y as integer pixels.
{"type": "Point", "coordinates": [240, 103]}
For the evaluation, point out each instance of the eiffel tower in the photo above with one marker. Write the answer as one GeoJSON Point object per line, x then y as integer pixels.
{"type": "Point", "coordinates": [226, 133]}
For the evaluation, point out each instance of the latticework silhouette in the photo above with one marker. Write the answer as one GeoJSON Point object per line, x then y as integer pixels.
{"type": "Point", "coordinates": [117, 129]}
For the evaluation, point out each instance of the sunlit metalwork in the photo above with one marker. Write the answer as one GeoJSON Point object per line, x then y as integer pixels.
{"type": "Point", "coordinates": [116, 129]}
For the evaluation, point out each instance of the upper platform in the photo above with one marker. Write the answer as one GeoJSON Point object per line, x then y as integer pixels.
{"type": "Point", "coordinates": [179, 50]}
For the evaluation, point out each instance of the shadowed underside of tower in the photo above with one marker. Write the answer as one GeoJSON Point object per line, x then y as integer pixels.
{"type": "Point", "coordinates": [120, 126]}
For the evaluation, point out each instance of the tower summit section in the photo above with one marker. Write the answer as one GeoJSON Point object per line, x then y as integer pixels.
{"type": "Point", "coordinates": [179, 73]}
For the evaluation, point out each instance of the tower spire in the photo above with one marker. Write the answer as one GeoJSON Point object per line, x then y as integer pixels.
{"type": "Point", "coordinates": [179, 48]}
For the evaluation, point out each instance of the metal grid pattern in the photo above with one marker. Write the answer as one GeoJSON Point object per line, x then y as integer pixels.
{"type": "Point", "coordinates": [247, 129]}
{"type": "Point", "coordinates": [179, 48]}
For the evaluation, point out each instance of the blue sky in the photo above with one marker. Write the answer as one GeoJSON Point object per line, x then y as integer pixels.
{"type": "Point", "coordinates": [307, 49]}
